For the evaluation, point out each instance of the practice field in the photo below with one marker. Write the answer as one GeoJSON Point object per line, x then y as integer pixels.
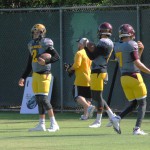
{"type": "Point", "coordinates": [74, 134]}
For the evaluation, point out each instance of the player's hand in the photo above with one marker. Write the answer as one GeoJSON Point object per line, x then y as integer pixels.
{"type": "Point", "coordinates": [21, 82]}
{"type": "Point", "coordinates": [140, 45]}
{"type": "Point", "coordinates": [41, 61]}
{"type": "Point", "coordinates": [67, 68]}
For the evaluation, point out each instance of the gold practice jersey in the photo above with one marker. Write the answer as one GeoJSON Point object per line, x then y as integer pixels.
{"type": "Point", "coordinates": [82, 68]}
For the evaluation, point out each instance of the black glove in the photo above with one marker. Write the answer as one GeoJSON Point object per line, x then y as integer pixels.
{"type": "Point", "coordinates": [67, 69]}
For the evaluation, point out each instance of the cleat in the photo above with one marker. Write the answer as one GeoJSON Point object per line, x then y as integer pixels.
{"type": "Point", "coordinates": [91, 109]}
{"type": "Point", "coordinates": [39, 127]}
{"type": "Point", "coordinates": [95, 124]}
{"type": "Point", "coordinates": [83, 117]}
{"type": "Point", "coordinates": [110, 122]}
{"type": "Point", "coordinates": [53, 128]}
{"type": "Point", "coordinates": [116, 124]}
{"type": "Point", "coordinates": [138, 131]}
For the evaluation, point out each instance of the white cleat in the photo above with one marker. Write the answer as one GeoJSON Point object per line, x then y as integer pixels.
{"type": "Point", "coordinates": [95, 124]}
{"type": "Point", "coordinates": [91, 109]}
{"type": "Point", "coordinates": [110, 122]}
{"type": "Point", "coordinates": [39, 127]}
{"type": "Point", "coordinates": [138, 131]}
{"type": "Point", "coordinates": [53, 128]}
{"type": "Point", "coordinates": [116, 124]}
{"type": "Point", "coordinates": [83, 117]}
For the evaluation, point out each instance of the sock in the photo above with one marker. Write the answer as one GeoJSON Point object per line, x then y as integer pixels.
{"type": "Point", "coordinates": [99, 117]}
{"type": "Point", "coordinates": [42, 121]}
{"type": "Point", "coordinates": [52, 120]}
{"type": "Point", "coordinates": [110, 113]}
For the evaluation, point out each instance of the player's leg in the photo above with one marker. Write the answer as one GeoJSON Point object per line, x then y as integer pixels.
{"type": "Point", "coordinates": [134, 88]}
{"type": "Point", "coordinates": [140, 115]}
{"type": "Point", "coordinates": [44, 85]}
{"type": "Point", "coordinates": [141, 94]}
{"type": "Point", "coordinates": [108, 110]}
{"type": "Point", "coordinates": [79, 93]}
{"type": "Point", "coordinates": [132, 106]}
{"type": "Point", "coordinates": [41, 124]}
{"type": "Point", "coordinates": [97, 85]}
{"type": "Point", "coordinates": [85, 92]}
{"type": "Point", "coordinates": [96, 95]}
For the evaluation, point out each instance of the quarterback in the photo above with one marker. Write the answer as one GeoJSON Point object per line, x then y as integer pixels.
{"type": "Point", "coordinates": [100, 54]}
{"type": "Point", "coordinates": [128, 54]}
{"type": "Point", "coordinates": [41, 76]}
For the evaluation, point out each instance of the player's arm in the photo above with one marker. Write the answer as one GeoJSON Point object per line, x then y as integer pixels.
{"type": "Point", "coordinates": [90, 48]}
{"type": "Point", "coordinates": [140, 48]}
{"type": "Point", "coordinates": [26, 72]}
{"type": "Point", "coordinates": [94, 51]}
{"type": "Point", "coordinates": [55, 56]}
{"type": "Point", "coordinates": [141, 66]}
{"type": "Point", "coordinates": [135, 57]}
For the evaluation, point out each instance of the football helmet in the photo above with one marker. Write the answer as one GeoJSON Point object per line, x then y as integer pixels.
{"type": "Point", "coordinates": [39, 27]}
{"type": "Point", "coordinates": [104, 29]}
{"type": "Point", "coordinates": [126, 30]}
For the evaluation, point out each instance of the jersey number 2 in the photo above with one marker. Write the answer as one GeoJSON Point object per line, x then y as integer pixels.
{"type": "Point", "coordinates": [34, 56]}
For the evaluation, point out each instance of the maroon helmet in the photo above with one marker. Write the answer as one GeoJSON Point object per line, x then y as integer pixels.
{"type": "Point", "coordinates": [104, 29]}
{"type": "Point", "coordinates": [126, 30]}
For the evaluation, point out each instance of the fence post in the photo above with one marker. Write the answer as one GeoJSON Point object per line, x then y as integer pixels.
{"type": "Point", "coordinates": [61, 60]}
{"type": "Point", "coordinates": [138, 22]}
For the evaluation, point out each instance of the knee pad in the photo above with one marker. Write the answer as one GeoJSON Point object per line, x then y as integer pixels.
{"type": "Point", "coordinates": [40, 105]}
{"type": "Point", "coordinates": [97, 96]}
{"type": "Point", "coordinates": [47, 105]}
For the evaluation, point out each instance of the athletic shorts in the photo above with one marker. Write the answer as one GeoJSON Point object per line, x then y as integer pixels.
{"type": "Point", "coordinates": [41, 83]}
{"type": "Point", "coordinates": [83, 91]}
{"type": "Point", "coordinates": [97, 81]}
{"type": "Point", "coordinates": [133, 87]}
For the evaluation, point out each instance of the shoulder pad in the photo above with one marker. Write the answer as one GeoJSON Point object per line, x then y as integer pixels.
{"type": "Point", "coordinates": [48, 42]}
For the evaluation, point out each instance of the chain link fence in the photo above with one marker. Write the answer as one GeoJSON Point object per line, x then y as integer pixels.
{"type": "Point", "coordinates": [64, 26]}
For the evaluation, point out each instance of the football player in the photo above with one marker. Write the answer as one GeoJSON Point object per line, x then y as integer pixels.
{"type": "Point", "coordinates": [128, 53]}
{"type": "Point", "coordinates": [100, 54]}
{"type": "Point", "coordinates": [41, 76]}
{"type": "Point", "coordinates": [81, 88]}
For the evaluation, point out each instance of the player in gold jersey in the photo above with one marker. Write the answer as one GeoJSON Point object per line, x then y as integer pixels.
{"type": "Point", "coordinates": [81, 89]}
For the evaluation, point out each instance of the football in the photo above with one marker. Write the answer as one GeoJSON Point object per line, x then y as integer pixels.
{"type": "Point", "coordinates": [45, 56]}
{"type": "Point", "coordinates": [91, 46]}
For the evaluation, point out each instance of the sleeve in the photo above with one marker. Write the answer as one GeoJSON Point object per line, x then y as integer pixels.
{"type": "Point", "coordinates": [49, 45]}
{"type": "Point", "coordinates": [101, 50]}
{"type": "Point", "coordinates": [55, 56]}
{"type": "Point", "coordinates": [94, 51]}
{"type": "Point", "coordinates": [134, 51]}
{"type": "Point", "coordinates": [77, 61]}
{"type": "Point", "coordinates": [28, 68]}
{"type": "Point", "coordinates": [89, 54]}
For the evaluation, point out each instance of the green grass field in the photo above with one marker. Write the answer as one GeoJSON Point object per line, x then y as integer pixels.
{"type": "Point", "coordinates": [74, 134]}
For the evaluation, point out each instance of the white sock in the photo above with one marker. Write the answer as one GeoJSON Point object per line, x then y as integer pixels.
{"type": "Point", "coordinates": [52, 120]}
{"type": "Point", "coordinates": [110, 113]}
{"type": "Point", "coordinates": [99, 117]}
{"type": "Point", "coordinates": [42, 121]}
